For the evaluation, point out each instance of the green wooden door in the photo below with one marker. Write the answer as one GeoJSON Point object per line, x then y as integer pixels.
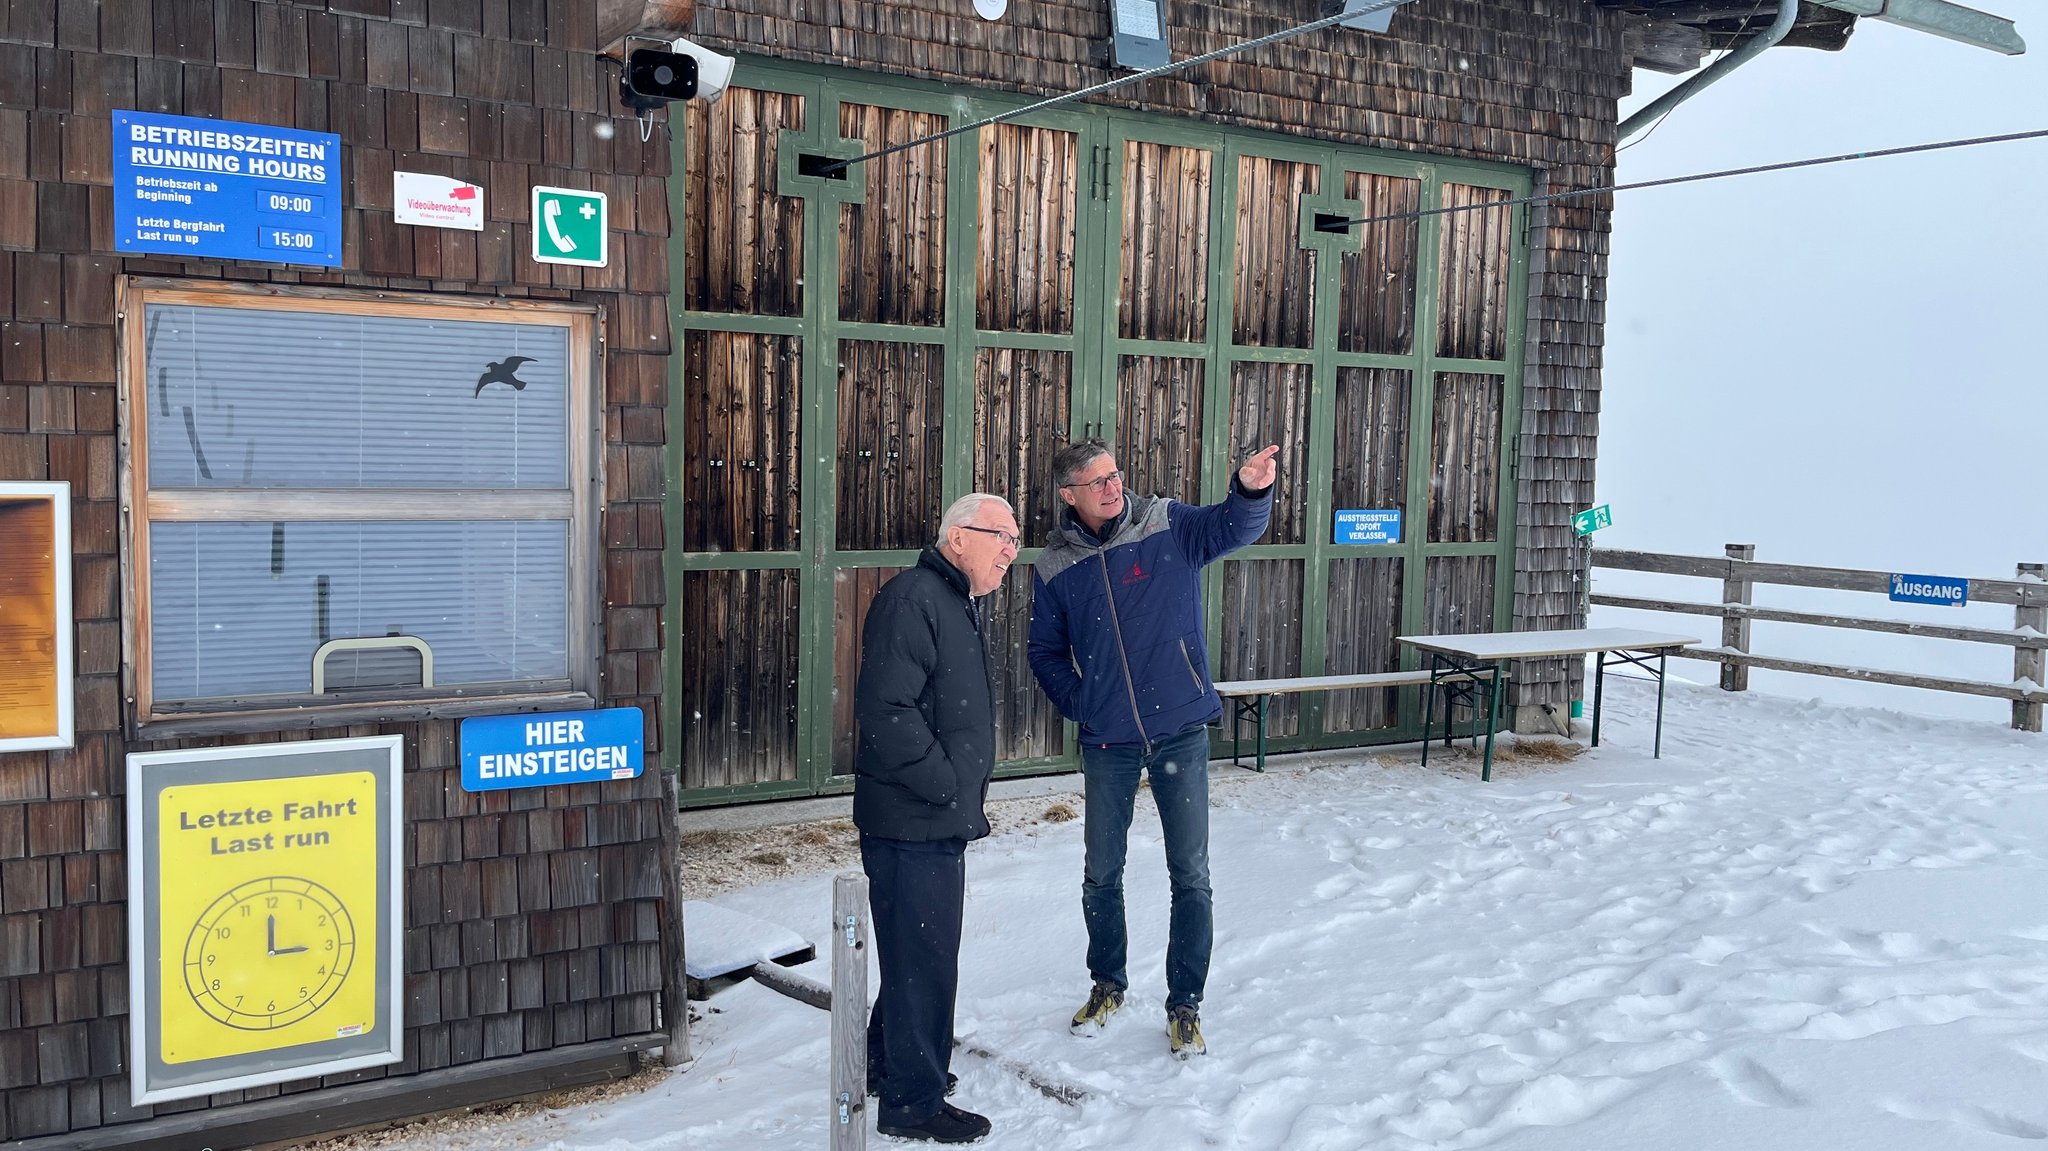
{"type": "Point", "coordinates": [859, 348]}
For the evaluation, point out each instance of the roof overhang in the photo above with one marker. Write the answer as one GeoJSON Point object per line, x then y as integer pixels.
{"type": "Point", "coordinates": [1675, 35]}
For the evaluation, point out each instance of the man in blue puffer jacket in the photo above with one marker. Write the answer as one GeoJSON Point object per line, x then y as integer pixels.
{"type": "Point", "coordinates": [1117, 644]}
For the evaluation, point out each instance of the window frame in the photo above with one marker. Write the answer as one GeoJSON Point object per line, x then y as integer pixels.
{"type": "Point", "coordinates": [581, 501]}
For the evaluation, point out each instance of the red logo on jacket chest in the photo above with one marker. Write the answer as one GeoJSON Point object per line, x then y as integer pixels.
{"type": "Point", "coordinates": [1137, 574]}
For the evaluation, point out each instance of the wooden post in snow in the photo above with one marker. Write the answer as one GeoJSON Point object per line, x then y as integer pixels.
{"type": "Point", "coordinates": [1734, 629]}
{"type": "Point", "coordinates": [2030, 663]}
{"type": "Point", "coordinates": [675, 978]}
{"type": "Point", "coordinates": [848, 1118]}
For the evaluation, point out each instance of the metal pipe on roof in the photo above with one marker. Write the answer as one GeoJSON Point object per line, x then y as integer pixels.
{"type": "Point", "coordinates": [1788, 13]}
{"type": "Point", "coordinates": [1940, 18]}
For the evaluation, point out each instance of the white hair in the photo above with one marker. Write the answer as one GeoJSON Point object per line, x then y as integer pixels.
{"type": "Point", "coordinates": [963, 509]}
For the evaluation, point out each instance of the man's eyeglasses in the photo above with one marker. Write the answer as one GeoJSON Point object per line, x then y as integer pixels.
{"type": "Point", "coordinates": [1096, 485]}
{"type": "Point", "coordinates": [1006, 537]}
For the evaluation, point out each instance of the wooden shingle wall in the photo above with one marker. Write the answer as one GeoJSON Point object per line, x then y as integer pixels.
{"type": "Point", "coordinates": [531, 915]}
{"type": "Point", "coordinates": [1527, 82]}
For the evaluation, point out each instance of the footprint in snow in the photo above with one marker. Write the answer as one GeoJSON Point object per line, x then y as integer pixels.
{"type": "Point", "coordinates": [1749, 1081]}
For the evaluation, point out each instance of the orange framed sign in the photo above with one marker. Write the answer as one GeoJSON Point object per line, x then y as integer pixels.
{"type": "Point", "coordinates": [35, 616]}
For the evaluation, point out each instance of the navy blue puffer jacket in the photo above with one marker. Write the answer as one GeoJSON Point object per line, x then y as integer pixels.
{"type": "Point", "coordinates": [1116, 625]}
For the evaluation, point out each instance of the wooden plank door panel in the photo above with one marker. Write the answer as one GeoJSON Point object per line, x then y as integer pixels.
{"type": "Point", "coordinates": [1274, 280]}
{"type": "Point", "coordinates": [746, 243]}
{"type": "Point", "coordinates": [1465, 458]}
{"type": "Point", "coordinates": [1269, 405]}
{"type": "Point", "coordinates": [1164, 243]}
{"type": "Point", "coordinates": [1475, 251]}
{"type": "Point", "coordinates": [739, 677]}
{"type": "Point", "coordinates": [892, 246]}
{"type": "Point", "coordinates": [1262, 631]}
{"type": "Point", "coordinates": [891, 444]}
{"type": "Point", "coordinates": [1376, 300]}
{"type": "Point", "coordinates": [742, 441]}
{"type": "Point", "coordinates": [1159, 425]}
{"type": "Point", "coordinates": [1030, 229]}
{"type": "Point", "coordinates": [1023, 402]}
{"type": "Point", "coordinates": [1364, 616]}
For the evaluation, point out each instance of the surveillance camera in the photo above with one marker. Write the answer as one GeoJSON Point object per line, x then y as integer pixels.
{"type": "Point", "coordinates": [655, 76]}
{"type": "Point", "coordinates": [714, 71]}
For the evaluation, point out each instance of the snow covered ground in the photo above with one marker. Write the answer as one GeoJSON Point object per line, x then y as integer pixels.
{"type": "Point", "coordinates": [1805, 927]}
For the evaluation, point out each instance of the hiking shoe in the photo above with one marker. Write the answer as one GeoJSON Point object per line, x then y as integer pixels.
{"type": "Point", "coordinates": [1103, 1000]}
{"type": "Point", "coordinates": [875, 1083]}
{"type": "Point", "coordinates": [1184, 1032]}
{"type": "Point", "coordinates": [948, 1124]}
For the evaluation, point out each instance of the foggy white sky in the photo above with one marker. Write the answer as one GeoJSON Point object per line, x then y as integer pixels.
{"type": "Point", "coordinates": [1841, 365]}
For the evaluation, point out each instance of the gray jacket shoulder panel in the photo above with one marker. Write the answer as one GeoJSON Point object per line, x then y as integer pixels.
{"type": "Point", "coordinates": [1146, 516]}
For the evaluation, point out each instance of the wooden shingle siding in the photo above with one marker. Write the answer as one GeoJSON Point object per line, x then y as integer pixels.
{"type": "Point", "coordinates": [533, 918]}
{"type": "Point", "coordinates": [1533, 85]}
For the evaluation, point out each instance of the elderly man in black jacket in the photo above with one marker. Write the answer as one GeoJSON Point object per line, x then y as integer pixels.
{"type": "Point", "coordinates": [926, 709]}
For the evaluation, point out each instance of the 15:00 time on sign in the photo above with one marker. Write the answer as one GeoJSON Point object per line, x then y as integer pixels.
{"type": "Point", "coordinates": [291, 241]}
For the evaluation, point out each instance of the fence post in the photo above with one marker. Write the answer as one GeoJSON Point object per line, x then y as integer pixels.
{"type": "Point", "coordinates": [2030, 663]}
{"type": "Point", "coordinates": [848, 1118]}
{"type": "Point", "coordinates": [675, 976]}
{"type": "Point", "coordinates": [1735, 630]}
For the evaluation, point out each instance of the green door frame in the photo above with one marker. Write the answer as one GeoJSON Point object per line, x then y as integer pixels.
{"type": "Point", "coordinates": [1094, 347]}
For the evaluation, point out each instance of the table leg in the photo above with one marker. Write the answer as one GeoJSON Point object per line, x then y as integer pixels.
{"type": "Point", "coordinates": [1262, 733]}
{"type": "Point", "coordinates": [1658, 746]}
{"type": "Point", "coordinates": [1492, 711]}
{"type": "Point", "coordinates": [1428, 710]}
{"type": "Point", "coordinates": [1599, 679]}
{"type": "Point", "coordinates": [1236, 726]}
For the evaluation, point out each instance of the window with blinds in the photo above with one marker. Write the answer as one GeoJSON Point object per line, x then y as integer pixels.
{"type": "Point", "coordinates": [362, 504]}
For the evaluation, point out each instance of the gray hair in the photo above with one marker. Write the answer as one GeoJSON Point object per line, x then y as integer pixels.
{"type": "Point", "coordinates": [1071, 460]}
{"type": "Point", "coordinates": [964, 509]}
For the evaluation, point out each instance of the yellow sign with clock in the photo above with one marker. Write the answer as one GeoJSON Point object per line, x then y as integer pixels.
{"type": "Point", "coordinates": [267, 910]}
{"type": "Point", "coordinates": [268, 914]}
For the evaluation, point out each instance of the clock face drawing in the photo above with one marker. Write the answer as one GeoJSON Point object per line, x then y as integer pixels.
{"type": "Point", "coordinates": [269, 952]}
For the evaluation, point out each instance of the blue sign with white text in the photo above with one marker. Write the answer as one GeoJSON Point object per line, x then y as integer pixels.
{"type": "Point", "coordinates": [1368, 526]}
{"type": "Point", "coordinates": [219, 190]}
{"type": "Point", "coordinates": [1946, 591]}
{"type": "Point", "coordinates": [505, 751]}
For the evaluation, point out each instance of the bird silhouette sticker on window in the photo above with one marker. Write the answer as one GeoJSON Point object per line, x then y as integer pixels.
{"type": "Point", "coordinates": [505, 371]}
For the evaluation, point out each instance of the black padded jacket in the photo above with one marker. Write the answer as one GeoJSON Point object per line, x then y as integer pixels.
{"type": "Point", "coordinates": [926, 709]}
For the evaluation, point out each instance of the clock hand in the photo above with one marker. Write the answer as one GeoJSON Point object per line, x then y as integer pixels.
{"type": "Point", "coordinates": [274, 948]}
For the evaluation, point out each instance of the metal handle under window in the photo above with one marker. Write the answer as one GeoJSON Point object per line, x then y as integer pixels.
{"type": "Point", "coordinates": [370, 643]}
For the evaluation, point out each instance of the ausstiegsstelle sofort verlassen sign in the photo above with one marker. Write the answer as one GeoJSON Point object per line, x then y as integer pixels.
{"type": "Point", "coordinates": [1366, 526]}
{"type": "Point", "coordinates": [221, 190]}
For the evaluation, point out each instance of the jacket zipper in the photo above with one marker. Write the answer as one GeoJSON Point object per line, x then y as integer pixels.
{"type": "Point", "coordinates": [1117, 626]}
{"type": "Point", "coordinates": [1189, 657]}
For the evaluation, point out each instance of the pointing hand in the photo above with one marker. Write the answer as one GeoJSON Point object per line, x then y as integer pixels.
{"type": "Point", "coordinates": [1260, 470]}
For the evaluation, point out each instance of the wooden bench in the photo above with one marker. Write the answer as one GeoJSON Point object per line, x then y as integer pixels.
{"type": "Point", "coordinates": [1248, 696]}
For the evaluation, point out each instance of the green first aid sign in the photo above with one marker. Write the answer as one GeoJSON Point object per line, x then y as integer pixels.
{"type": "Point", "coordinates": [570, 226]}
{"type": "Point", "coordinates": [1592, 520]}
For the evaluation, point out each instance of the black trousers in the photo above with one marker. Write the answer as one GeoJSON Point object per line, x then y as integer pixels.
{"type": "Point", "coordinates": [915, 893]}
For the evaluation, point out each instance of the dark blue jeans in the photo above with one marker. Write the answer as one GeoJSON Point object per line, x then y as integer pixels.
{"type": "Point", "coordinates": [916, 892]}
{"type": "Point", "coordinates": [1179, 772]}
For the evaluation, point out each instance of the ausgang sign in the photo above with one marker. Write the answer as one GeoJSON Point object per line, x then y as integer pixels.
{"type": "Point", "coordinates": [1947, 591]}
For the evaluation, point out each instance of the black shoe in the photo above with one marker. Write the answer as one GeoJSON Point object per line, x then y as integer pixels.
{"type": "Point", "coordinates": [952, 1081]}
{"type": "Point", "coordinates": [948, 1124]}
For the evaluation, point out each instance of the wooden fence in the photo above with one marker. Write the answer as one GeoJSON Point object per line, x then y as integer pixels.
{"type": "Point", "coordinates": [1739, 572]}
